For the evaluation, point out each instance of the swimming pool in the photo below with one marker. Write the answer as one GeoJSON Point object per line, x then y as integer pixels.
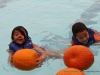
{"type": "Point", "coordinates": [48, 23]}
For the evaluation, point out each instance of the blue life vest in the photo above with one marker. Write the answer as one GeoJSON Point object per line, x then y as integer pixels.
{"type": "Point", "coordinates": [28, 44]}
{"type": "Point", "coordinates": [90, 41]}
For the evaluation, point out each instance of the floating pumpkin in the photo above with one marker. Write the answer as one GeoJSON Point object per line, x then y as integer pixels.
{"type": "Point", "coordinates": [79, 57]}
{"type": "Point", "coordinates": [25, 59]}
{"type": "Point", "coordinates": [70, 71]}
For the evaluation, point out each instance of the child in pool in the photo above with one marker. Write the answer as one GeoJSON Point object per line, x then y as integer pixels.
{"type": "Point", "coordinates": [20, 39]}
{"type": "Point", "coordinates": [83, 35]}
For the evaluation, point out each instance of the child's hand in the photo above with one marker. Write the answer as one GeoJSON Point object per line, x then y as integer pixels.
{"type": "Point", "coordinates": [96, 32]}
{"type": "Point", "coordinates": [10, 56]}
{"type": "Point", "coordinates": [42, 56]}
{"type": "Point", "coordinates": [10, 59]}
{"type": "Point", "coordinates": [39, 61]}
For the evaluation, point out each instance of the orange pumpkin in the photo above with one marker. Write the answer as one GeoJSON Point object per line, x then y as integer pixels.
{"type": "Point", "coordinates": [25, 59]}
{"type": "Point", "coordinates": [79, 57]}
{"type": "Point", "coordinates": [70, 71]}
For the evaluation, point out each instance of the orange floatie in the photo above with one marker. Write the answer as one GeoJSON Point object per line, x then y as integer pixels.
{"type": "Point", "coordinates": [25, 59]}
{"type": "Point", "coordinates": [79, 57]}
{"type": "Point", "coordinates": [70, 71]}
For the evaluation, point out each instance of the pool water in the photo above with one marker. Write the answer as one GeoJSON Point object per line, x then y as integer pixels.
{"type": "Point", "coordinates": [49, 24]}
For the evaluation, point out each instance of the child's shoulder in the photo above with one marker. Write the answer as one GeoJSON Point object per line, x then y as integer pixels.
{"type": "Point", "coordinates": [91, 31]}
{"type": "Point", "coordinates": [11, 43]}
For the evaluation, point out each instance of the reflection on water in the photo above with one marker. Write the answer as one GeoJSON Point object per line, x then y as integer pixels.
{"type": "Point", "coordinates": [91, 12]}
{"type": "Point", "coordinates": [54, 42]}
{"type": "Point", "coordinates": [3, 3]}
{"type": "Point", "coordinates": [95, 49]}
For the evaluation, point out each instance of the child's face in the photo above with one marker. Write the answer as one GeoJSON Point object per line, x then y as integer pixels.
{"type": "Point", "coordinates": [18, 37]}
{"type": "Point", "coordinates": [83, 36]}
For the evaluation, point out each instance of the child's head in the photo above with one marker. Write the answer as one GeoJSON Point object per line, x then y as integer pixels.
{"type": "Point", "coordinates": [80, 31]}
{"type": "Point", "coordinates": [19, 35]}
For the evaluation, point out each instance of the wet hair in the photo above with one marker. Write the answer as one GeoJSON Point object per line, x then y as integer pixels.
{"type": "Point", "coordinates": [22, 30]}
{"type": "Point", "coordinates": [78, 27]}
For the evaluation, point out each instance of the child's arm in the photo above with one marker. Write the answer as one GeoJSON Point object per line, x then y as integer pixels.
{"type": "Point", "coordinates": [10, 55]}
{"type": "Point", "coordinates": [73, 43]}
{"type": "Point", "coordinates": [97, 36]}
{"type": "Point", "coordinates": [42, 56]}
{"type": "Point", "coordinates": [96, 32]}
{"type": "Point", "coordinates": [54, 54]}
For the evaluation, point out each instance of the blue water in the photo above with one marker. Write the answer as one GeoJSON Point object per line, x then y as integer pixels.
{"type": "Point", "coordinates": [48, 23]}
